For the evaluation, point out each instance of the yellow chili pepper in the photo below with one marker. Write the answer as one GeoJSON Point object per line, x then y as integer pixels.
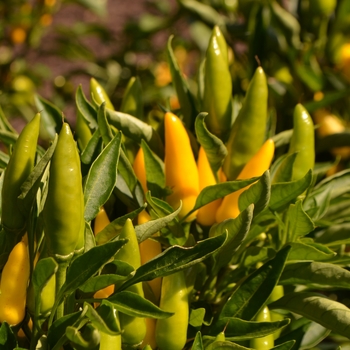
{"type": "Point", "coordinates": [255, 167]}
{"type": "Point", "coordinates": [139, 169]}
{"type": "Point", "coordinates": [181, 173]}
{"type": "Point", "coordinates": [206, 214]}
{"type": "Point", "coordinates": [14, 282]}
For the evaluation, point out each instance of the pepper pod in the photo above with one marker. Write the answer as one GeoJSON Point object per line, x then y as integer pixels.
{"type": "Point", "coordinates": [134, 328]}
{"type": "Point", "coordinates": [266, 342]}
{"type": "Point", "coordinates": [99, 94]}
{"type": "Point", "coordinates": [19, 167]}
{"type": "Point", "coordinates": [181, 173]}
{"type": "Point", "coordinates": [248, 131]}
{"type": "Point", "coordinates": [171, 332]}
{"type": "Point", "coordinates": [256, 166]}
{"type": "Point", "coordinates": [14, 283]}
{"type": "Point", "coordinates": [217, 86]}
{"type": "Point", "coordinates": [206, 214]}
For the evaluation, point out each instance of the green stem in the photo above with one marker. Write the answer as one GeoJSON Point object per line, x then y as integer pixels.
{"type": "Point", "coordinates": [60, 280]}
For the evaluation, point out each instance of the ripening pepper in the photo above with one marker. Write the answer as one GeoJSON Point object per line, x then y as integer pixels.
{"type": "Point", "coordinates": [181, 173]}
{"type": "Point", "coordinates": [248, 131]}
{"type": "Point", "coordinates": [266, 342]}
{"type": "Point", "coordinates": [206, 215]}
{"type": "Point", "coordinates": [139, 169]}
{"type": "Point", "coordinates": [134, 328]}
{"type": "Point", "coordinates": [302, 142]}
{"type": "Point", "coordinates": [171, 332]}
{"type": "Point", "coordinates": [64, 208]}
{"type": "Point", "coordinates": [20, 165]}
{"type": "Point", "coordinates": [14, 282]}
{"type": "Point", "coordinates": [256, 166]}
{"type": "Point", "coordinates": [217, 86]}
{"type": "Point", "coordinates": [99, 94]}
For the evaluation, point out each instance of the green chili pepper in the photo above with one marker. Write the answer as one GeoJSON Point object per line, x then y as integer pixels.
{"type": "Point", "coordinates": [20, 165]}
{"type": "Point", "coordinates": [64, 207]}
{"type": "Point", "coordinates": [171, 333]}
{"type": "Point", "coordinates": [132, 102]}
{"type": "Point", "coordinates": [99, 94]}
{"type": "Point", "coordinates": [248, 131]}
{"type": "Point", "coordinates": [302, 142]}
{"type": "Point", "coordinates": [220, 337]}
{"type": "Point", "coordinates": [217, 86]}
{"type": "Point", "coordinates": [266, 342]}
{"type": "Point", "coordinates": [277, 293]}
{"type": "Point", "coordinates": [134, 328]}
{"type": "Point", "coordinates": [82, 131]}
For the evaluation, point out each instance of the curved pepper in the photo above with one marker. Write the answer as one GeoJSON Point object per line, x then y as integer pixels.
{"type": "Point", "coordinates": [134, 328]}
{"type": "Point", "coordinates": [139, 169]}
{"type": "Point", "coordinates": [302, 142]}
{"type": "Point", "coordinates": [99, 94]}
{"type": "Point", "coordinates": [14, 282]}
{"type": "Point", "coordinates": [217, 86]}
{"type": "Point", "coordinates": [64, 209]}
{"type": "Point", "coordinates": [248, 131]}
{"type": "Point", "coordinates": [20, 165]}
{"type": "Point", "coordinates": [181, 173]}
{"type": "Point", "coordinates": [206, 215]}
{"type": "Point", "coordinates": [266, 342]}
{"type": "Point", "coordinates": [171, 332]}
{"type": "Point", "coordinates": [257, 165]}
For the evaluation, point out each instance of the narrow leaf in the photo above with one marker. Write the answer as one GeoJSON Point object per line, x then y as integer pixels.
{"type": "Point", "coordinates": [85, 108]}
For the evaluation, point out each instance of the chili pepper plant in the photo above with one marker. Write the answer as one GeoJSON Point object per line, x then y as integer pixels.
{"type": "Point", "coordinates": [203, 230]}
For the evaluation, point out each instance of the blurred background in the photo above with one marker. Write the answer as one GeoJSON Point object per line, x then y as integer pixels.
{"type": "Point", "coordinates": [49, 47]}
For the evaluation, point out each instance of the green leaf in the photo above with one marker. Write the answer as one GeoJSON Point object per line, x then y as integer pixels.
{"type": "Point", "coordinates": [8, 137]}
{"type": "Point", "coordinates": [214, 148]}
{"type": "Point", "coordinates": [288, 345]}
{"type": "Point", "coordinates": [85, 108]}
{"type": "Point", "coordinates": [237, 229]}
{"type": "Point", "coordinates": [51, 118]}
{"type": "Point", "coordinates": [299, 223]}
{"type": "Point", "coordinates": [147, 229]}
{"type": "Point", "coordinates": [7, 337]}
{"type": "Point", "coordinates": [237, 329]}
{"type": "Point", "coordinates": [328, 99]}
{"type": "Point", "coordinates": [92, 149]}
{"type": "Point", "coordinates": [282, 138]}
{"type": "Point", "coordinates": [226, 345]}
{"type": "Point", "coordinates": [174, 259]}
{"type": "Point", "coordinates": [105, 129]}
{"type": "Point", "coordinates": [284, 170]}
{"type": "Point", "coordinates": [334, 235]}
{"type": "Point", "coordinates": [183, 92]}
{"type": "Point", "coordinates": [133, 304]}
{"type": "Point", "coordinates": [154, 167]}
{"type": "Point", "coordinates": [253, 292]}
{"type": "Point", "coordinates": [257, 194]}
{"type": "Point", "coordinates": [136, 129]}
{"type": "Point", "coordinates": [284, 193]}
{"type": "Point", "coordinates": [320, 274]}
{"type": "Point", "coordinates": [309, 251]}
{"type": "Point", "coordinates": [30, 187]}
{"type": "Point", "coordinates": [198, 343]}
{"type": "Point", "coordinates": [197, 317]}
{"type": "Point", "coordinates": [328, 313]}
{"type": "Point", "coordinates": [88, 264]}
{"type": "Point", "coordinates": [102, 178]}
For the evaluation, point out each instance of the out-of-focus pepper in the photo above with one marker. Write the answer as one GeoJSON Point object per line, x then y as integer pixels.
{"type": "Point", "coordinates": [64, 208]}
{"type": "Point", "coordinates": [134, 328]}
{"type": "Point", "coordinates": [181, 173]}
{"type": "Point", "coordinates": [206, 215]}
{"type": "Point", "coordinates": [266, 342]}
{"type": "Point", "coordinates": [132, 102]}
{"type": "Point", "coordinates": [302, 142]}
{"type": "Point", "coordinates": [139, 169]}
{"type": "Point", "coordinates": [171, 333]}
{"type": "Point", "coordinates": [277, 293]}
{"type": "Point", "coordinates": [14, 282]}
{"type": "Point", "coordinates": [99, 94]}
{"type": "Point", "coordinates": [20, 165]}
{"type": "Point", "coordinates": [217, 86]}
{"type": "Point", "coordinates": [83, 131]}
{"type": "Point", "coordinates": [322, 7]}
{"type": "Point", "coordinates": [248, 131]}
{"type": "Point", "coordinates": [257, 165]}
{"type": "Point", "coordinates": [219, 337]}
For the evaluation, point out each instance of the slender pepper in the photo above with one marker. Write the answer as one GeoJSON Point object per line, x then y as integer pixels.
{"type": "Point", "coordinates": [206, 214]}
{"type": "Point", "coordinates": [139, 169]}
{"type": "Point", "coordinates": [277, 293]}
{"type": "Point", "coordinates": [19, 167]}
{"type": "Point", "coordinates": [83, 131]}
{"type": "Point", "coordinates": [181, 173]}
{"type": "Point", "coordinates": [14, 282]}
{"type": "Point", "coordinates": [134, 328]}
{"type": "Point", "coordinates": [132, 102]}
{"type": "Point", "coordinates": [217, 86]}
{"type": "Point", "coordinates": [64, 207]}
{"type": "Point", "coordinates": [171, 333]}
{"type": "Point", "coordinates": [302, 142]}
{"type": "Point", "coordinates": [266, 342]}
{"type": "Point", "coordinates": [256, 166]}
{"type": "Point", "coordinates": [99, 94]}
{"type": "Point", "coordinates": [248, 131]}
